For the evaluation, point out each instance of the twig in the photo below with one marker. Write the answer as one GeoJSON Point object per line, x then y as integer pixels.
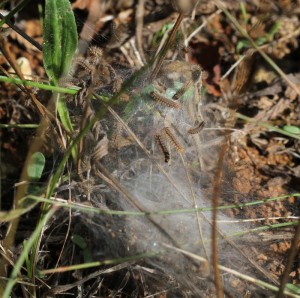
{"type": "Point", "coordinates": [289, 265]}
{"type": "Point", "coordinates": [232, 67]}
{"type": "Point", "coordinates": [127, 56]}
{"type": "Point", "coordinates": [136, 52]}
{"type": "Point", "coordinates": [139, 20]}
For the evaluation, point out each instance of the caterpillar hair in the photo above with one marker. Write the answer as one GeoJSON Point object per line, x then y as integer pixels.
{"type": "Point", "coordinates": [95, 52]}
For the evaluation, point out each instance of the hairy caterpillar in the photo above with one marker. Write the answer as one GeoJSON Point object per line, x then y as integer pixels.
{"type": "Point", "coordinates": [95, 54]}
{"type": "Point", "coordinates": [173, 139]}
{"type": "Point", "coordinates": [163, 147]}
{"type": "Point", "coordinates": [197, 128]}
{"type": "Point", "coordinates": [182, 90]}
{"type": "Point", "coordinates": [165, 101]}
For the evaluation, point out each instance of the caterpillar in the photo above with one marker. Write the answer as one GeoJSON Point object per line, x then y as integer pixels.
{"type": "Point", "coordinates": [173, 139]}
{"type": "Point", "coordinates": [197, 128]}
{"type": "Point", "coordinates": [95, 54]}
{"type": "Point", "coordinates": [163, 147]}
{"type": "Point", "coordinates": [182, 90]}
{"type": "Point", "coordinates": [165, 101]}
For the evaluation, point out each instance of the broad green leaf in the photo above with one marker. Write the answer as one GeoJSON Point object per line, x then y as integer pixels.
{"type": "Point", "coordinates": [60, 38]}
{"type": "Point", "coordinates": [36, 165]}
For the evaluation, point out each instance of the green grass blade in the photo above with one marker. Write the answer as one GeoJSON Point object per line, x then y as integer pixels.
{"type": "Point", "coordinates": [38, 85]}
{"type": "Point", "coordinates": [26, 249]}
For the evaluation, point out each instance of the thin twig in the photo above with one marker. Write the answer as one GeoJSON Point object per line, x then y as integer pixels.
{"type": "Point", "coordinates": [139, 20]}
{"type": "Point", "coordinates": [289, 265]}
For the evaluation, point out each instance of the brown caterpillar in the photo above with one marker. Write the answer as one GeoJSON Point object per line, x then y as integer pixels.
{"type": "Point", "coordinates": [163, 147]}
{"type": "Point", "coordinates": [182, 90]}
{"type": "Point", "coordinates": [173, 139]}
{"type": "Point", "coordinates": [165, 101]}
{"type": "Point", "coordinates": [197, 128]}
{"type": "Point", "coordinates": [95, 54]}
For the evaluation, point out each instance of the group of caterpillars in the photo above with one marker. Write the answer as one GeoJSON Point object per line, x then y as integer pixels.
{"type": "Point", "coordinates": [95, 72]}
{"type": "Point", "coordinates": [166, 134]}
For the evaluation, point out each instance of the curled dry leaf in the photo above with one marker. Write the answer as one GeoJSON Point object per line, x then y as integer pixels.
{"type": "Point", "coordinates": [101, 149]}
{"type": "Point", "coordinates": [242, 73]}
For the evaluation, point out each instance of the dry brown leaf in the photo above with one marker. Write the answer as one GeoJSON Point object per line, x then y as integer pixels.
{"type": "Point", "coordinates": [242, 73]}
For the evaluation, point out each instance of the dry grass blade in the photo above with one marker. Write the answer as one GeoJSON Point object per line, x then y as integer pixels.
{"type": "Point", "coordinates": [162, 54]}
{"type": "Point", "coordinates": [290, 262]}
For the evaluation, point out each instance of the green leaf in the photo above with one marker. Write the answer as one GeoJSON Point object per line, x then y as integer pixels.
{"type": "Point", "coordinates": [79, 241]}
{"type": "Point", "coordinates": [60, 38]}
{"type": "Point", "coordinates": [36, 165]}
{"type": "Point", "coordinates": [274, 29]}
{"type": "Point", "coordinates": [292, 129]}
{"type": "Point", "coordinates": [242, 44]}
